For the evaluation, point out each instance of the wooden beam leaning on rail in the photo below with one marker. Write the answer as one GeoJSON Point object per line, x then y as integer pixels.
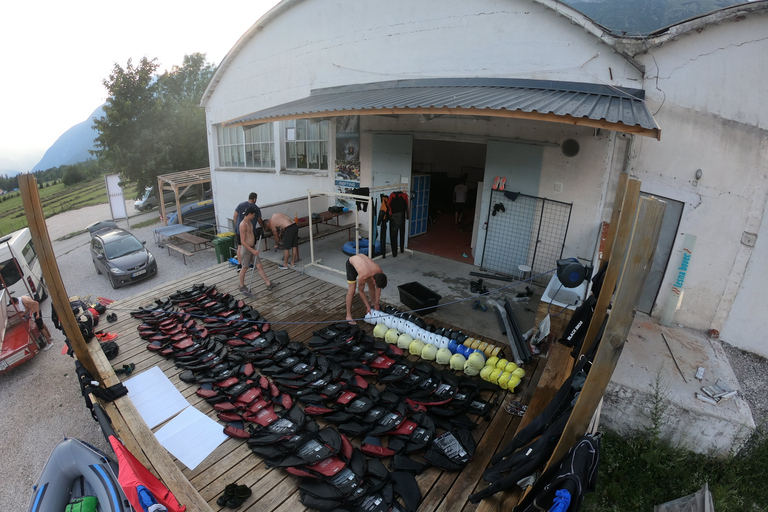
{"type": "Point", "coordinates": [642, 245]}
{"type": "Point", "coordinates": [42, 242]}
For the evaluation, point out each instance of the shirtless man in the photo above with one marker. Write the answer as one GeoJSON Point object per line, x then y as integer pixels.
{"type": "Point", "coordinates": [290, 237]}
{"type": "Point", "coordinates": [240, 213]}
{"type": "Point", "coordinates": [248, 253]}
{"type": "Point", "coordinates": [362, 271]}
{"type": "Point", "coordinates": [31, 308]}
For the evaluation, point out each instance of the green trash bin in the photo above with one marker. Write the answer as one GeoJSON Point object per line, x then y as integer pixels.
{"type": "Point", "coordinates": [222, 245]}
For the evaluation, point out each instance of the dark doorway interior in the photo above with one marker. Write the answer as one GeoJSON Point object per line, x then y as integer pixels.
{"type": "Point", "coordinates": [446, 162]}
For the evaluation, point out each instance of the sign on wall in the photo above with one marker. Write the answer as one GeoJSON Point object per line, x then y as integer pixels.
{"type": "Point", "coordinates": [347, 171]}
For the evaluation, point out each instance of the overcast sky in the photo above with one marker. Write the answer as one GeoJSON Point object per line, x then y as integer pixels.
{"type": "Point", "coordinates": [56, 54]}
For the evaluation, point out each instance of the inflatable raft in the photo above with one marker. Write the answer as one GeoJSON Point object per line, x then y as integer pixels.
{"type": "Point", "coordinates": [349, 247]}
{"type": "Point", "coordinates": [76, 469]}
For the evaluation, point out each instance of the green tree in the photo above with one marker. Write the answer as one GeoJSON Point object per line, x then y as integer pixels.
{"type": "Point", "coordinates": [73, 175]}
{"type": "Point", "coordinates": [184, 121]}
{"type": "Point", "coordinates": [152, 124]}
{"type": "Point", "coordinates": [126, 141]}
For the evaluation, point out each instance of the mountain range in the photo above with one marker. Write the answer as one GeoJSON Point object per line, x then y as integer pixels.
{"type": "Point", "coordinates": [73, 145]}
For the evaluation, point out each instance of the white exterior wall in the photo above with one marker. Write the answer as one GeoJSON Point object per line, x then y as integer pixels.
{"type": "Point", "coordinates": [709, 94]}
{"type": "Point", "coordinates": [309, 44]}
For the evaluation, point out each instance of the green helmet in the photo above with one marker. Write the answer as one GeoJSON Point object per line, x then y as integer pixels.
{"type": "Point", "coordinates": [391, 336]}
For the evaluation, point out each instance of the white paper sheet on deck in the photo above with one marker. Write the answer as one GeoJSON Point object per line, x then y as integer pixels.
{"type": "Point", "coordinates": [191, 436]}
{"type": "Point", "coordinates": [155, 397]}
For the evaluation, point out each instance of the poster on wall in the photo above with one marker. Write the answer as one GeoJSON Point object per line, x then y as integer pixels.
{"type": "Point", "coordinates": [347, 178]}
{"type": "Point", "coordinates": [348, 138]}
{"type": "Point", "coordinates": [347, 172]}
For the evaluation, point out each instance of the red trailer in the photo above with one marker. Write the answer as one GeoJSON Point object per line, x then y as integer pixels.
{"type": "Point", "coordinates": [18, 334]}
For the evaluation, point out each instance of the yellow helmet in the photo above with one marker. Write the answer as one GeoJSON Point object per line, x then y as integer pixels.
{"type": "Point", "coordinates": [504, 379]}
{"type": "Point", "coordinates": [416, 347]}
{"type": "Point", "coordinates": [493, 378]}
{"type": "Point", "coordinates": [429, 352]}
{"type": "Point", "coordinates": [457, 362]}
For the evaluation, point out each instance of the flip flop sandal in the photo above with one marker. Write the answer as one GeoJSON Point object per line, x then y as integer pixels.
{"type": "Point", "coordinates": [496, 183]}
{"type": "Point", "coordinates": [502, 183]}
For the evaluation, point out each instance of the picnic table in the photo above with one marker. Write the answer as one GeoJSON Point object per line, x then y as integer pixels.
{"type": "Point", "coordinates": [198, 242]}
{"type": "Point", "coordinates": [163, 233]}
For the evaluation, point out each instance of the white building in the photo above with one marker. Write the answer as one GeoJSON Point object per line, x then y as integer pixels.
{"type": "Point", "coordinates": [526, 89]}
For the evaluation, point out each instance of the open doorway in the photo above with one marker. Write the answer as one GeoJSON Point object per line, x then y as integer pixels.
{"type": "Point", "coordinates": [444, 164]}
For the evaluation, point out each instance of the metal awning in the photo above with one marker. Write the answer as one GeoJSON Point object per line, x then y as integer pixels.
{"type": "Point", "coordinates": [576, 103]}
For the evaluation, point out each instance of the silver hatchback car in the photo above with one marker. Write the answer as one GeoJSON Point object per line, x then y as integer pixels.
{"type": "Point", "coordinates": [121, 256]}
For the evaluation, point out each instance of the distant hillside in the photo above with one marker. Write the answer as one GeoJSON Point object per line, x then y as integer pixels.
{"type": "Point", "coordinates": [72, 147]}
{"type": "Point", "coordinates": [641, 18]}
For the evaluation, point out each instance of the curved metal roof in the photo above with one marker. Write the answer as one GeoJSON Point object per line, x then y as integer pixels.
{"type": "Point", "coordinates": [576, 103]}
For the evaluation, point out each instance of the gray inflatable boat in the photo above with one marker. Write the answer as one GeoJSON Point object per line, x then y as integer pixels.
{"type": "Point", "coordinates": [76, 469]}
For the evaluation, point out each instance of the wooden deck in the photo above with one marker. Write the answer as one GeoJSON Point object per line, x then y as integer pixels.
{"type": "Point", "coordinates": [300, 301]}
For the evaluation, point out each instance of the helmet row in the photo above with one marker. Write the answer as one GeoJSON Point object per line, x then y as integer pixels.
{"type": "Point", "coordinates": [459, 357]}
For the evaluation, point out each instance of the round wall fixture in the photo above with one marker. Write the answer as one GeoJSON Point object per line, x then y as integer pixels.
{"type": "Point", "coordinates": [570, 147]}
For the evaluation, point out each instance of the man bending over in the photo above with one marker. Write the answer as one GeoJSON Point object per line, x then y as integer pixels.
{"type": "Point", "coordinates": [362, 271]}
{"type": "Point", "coordinates": [289, 237]}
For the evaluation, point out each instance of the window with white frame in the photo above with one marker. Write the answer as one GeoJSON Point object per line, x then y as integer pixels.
{"type": "Point", "coordinates": [231, 146]}
{"type": "Point", "coordinates": [306, 142]}
{"type": "Point", "coordinates": [259, 146]}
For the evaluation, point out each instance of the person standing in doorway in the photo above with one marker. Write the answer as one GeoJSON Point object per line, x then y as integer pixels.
{"type": "Point", "coordinates": [459, 200]}
{"type": "Point", "coordinates": [258, 223]}
{"type": "Point", "coordinates": [289, 237]}
{"type": "Point", "coordinates": [363, 272]}
{"type": "Point", "coordinates": [248, 253]}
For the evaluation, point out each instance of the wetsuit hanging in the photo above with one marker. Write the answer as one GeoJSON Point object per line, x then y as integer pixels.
{"type": "Point", "coordinates": [382, 222]}
{"type": "Point", "coordinates": [398, 209]}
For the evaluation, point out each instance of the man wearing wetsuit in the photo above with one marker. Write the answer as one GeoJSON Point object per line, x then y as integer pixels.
{"type": "Point", "coordinates": [362, 272]}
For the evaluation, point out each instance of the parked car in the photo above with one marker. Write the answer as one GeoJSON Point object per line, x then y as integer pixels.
{"type": "Point", "coordinates": [120, 255]}
{"type": "Point", "coordinates": [149, 198]}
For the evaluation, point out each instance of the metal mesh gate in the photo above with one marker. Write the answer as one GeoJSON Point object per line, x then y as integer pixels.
{"type": "Point", "coordinates": [524, 230]}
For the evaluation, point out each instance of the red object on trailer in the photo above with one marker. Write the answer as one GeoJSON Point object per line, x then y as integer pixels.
{"type": "Point", "coordinates": [18, 335]}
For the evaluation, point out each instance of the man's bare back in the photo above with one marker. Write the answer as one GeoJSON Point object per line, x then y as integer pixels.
{"type": "Point", "coordinates": [365, 266]}
{"type": "Point", "coordinates": [279, 221]}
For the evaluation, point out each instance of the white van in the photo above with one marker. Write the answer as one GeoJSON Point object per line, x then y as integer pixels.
{"type": "Point", "coordinates": [149, 198]}
{"type": "Point", "coordinates": [20, 267]}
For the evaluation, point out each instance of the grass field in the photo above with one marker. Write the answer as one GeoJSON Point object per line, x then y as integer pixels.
{"type": "Point", "coordinates": [55, 199]}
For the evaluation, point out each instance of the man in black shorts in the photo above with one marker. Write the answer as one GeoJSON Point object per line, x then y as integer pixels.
{"type": "Point", "coordinates": [289, 238]}
{"type": "Point", "coordinates": [362, 272]}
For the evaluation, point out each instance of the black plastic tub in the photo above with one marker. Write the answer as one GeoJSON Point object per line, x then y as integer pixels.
{"type": "Point", "coordinates": [418, 297]}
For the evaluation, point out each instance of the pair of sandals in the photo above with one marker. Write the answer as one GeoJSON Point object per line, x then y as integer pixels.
{"type": "Point", "coordinates": [234, 495]}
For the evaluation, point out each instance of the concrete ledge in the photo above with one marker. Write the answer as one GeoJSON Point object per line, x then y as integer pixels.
{"type": "Point", "coordinates": [687, 422]}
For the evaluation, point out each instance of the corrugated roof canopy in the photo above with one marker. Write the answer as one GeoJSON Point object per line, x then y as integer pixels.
{"type": "Point", "coordinates": [584, 104]}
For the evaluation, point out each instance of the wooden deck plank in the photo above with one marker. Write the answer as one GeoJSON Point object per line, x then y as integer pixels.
{"type": "Point", "coordinates": [300, 305]}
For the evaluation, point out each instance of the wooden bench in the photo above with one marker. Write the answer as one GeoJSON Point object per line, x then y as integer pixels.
{"type": "Point", "coordinates": [184, 253]}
